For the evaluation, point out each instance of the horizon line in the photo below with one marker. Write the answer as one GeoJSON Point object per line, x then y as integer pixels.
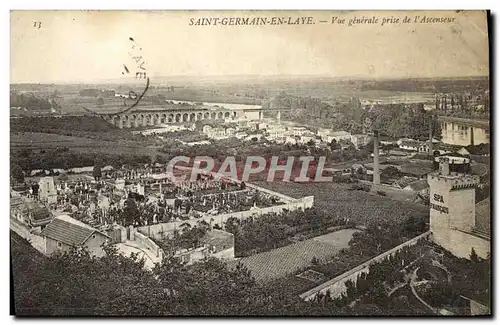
{"type": "Point", "coordinates": [255, 76]}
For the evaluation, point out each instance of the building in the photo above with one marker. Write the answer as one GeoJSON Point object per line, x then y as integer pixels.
{"type": "Point", "coordinates": [463, 152]}
{"type": "Point", "coordinates": [337, 136]}
{"type": "Point", "coordinates": [457, 163]}
{"type": "Point", "coordinates": [416, 170]}
{"type": "Point", "coordinates": [424, 148]}
{"type": "Point", "coordinates": [64, 233]}
{"type": "Point", "coordinates": [29, 212]}
{"type": "Point", "coordinates": [47, 192]}
{"type": "Point", "coordinates": [404, 182]}
{"type": "Point", "coordinates": [360, 140]}
{"type": "Point", "coordinates": [453, 212]}
{"type": "Point", "coordinates": [420, 187]}
{"type": "Point", "coordinates": [410, 145]}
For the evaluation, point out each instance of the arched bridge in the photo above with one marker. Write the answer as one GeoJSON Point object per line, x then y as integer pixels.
{"type": "Point", "coordinates": [157, 117]}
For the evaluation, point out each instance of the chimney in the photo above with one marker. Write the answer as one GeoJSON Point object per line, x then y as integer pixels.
{"type": "Point", "coordinates": [431, 127]}
{"type": "Point", "coordinates": [376, 166]}
{"type": "Point", "coordinates": [471, 136]}
{"type": "Point", "coordinates": [444, 166]}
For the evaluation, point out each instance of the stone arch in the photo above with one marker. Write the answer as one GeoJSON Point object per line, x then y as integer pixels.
{"type": "Point", "coordinates": [178, 117]}
{"type": "Point", "coordinates": [220, 115]}
{"type": "Point", "coordinates": [128, 121]}
{"type": "Point", "coordinates": [192, 117]}
{"type": "Point", "coordinates": [185, 117]}
{"type": "Point", "coordinates": [226, 115]}
{"type": "Point", "coordinates": [234, 114]}
{"type": "Point", "coordinates": [214, 115]}
{"type": "Point", "coordinates": [199, 116]}
{"type": "Point", "coordinates": [207, 115]}
{"type": "Point", "coordinates": [143, 120]}
{"type": "Point", "coordinates": [163, 118]}
{"type": "Point", "coordinates": [108, 119]}
{"type": "Point", "coordinates": [170, 118]}
{"type": "Point", "coordinates": [155, 119]}
{"type": "Point", "coordinates": [135, 120]}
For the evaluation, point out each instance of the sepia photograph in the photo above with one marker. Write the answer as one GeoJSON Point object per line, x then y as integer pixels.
{"type": "Point", "coordinates": [250, 163]}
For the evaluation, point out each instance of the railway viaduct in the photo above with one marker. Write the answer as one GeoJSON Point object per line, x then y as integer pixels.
{"type": "Point", "coordinates": [137, 118]}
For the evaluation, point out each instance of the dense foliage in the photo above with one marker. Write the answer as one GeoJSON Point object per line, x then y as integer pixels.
{"type": "Point", "coordinates": [82, 126]}
{"type": "Point", "coordinates": [254, 235]}
{"type": "Point", "coordinates": [403, 120]}
{"type": "Point", "coordinates": [78, 284]}
{"type": "Point", "coordinates": [30, 101]}
{"type": "Point", "coordinates": [64, 158]}
{"type": "Point", "coordinates": [345, 116]}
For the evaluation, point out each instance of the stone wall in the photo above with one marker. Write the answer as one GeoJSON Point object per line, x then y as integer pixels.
{"type": "Point", "coordinates": [36, 241]}
{"type": "Point", "coordinates": [460, 243]}
{"type": "Point", "coordinates": [283, 197]}
{"type": "Point", "coordinates": [337, 285]}
{"type": "Point", "coordinates": [161, 230]}
{"type": "Point", "coordinates": [151, 245]}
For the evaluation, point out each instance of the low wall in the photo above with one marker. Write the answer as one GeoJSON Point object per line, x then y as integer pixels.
{"type": "Point", "coordinates": [337, 285]}
{"type": "Point", "coordinates": [161, 230]}
{"type": "Point", "coordinates": [36, 241]}
{"type": "Point", "coordinates": [283, 197]}
{"type": "Point", "coordinates": [151, 245]}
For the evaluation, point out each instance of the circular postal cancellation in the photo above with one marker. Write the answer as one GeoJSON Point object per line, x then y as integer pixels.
{"type": "Point", "coordinates": [130, 87]}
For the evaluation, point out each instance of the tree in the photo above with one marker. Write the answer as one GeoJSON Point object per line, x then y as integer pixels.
{"type": "Point", "coordinates": [232, 225]}
{"type": "Point", "coordinates": [97, 173]}
{"type": "Point", "coordinates": [473, 256]}
{"type": "Point", "coordinates": [16, 173]}
{"type": "Point", "coordinates": [100, 101]}
{"type": "Point", "coordinates": [131, 214]}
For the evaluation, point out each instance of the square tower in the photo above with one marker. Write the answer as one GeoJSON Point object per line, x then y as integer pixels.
{"type": "Point", "coordinates": [452, 203]}
{"type": "Point", "coordinates": [48, 191]}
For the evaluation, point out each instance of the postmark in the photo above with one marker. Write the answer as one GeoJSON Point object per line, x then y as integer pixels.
{"type": "Point", "coordinates": [137, 71]}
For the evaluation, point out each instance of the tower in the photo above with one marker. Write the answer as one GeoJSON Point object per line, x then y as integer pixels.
{"type": "Point", "coordinates": [431, 129]}
{"type": "Point", "coordinates": [452, 208]}
{"type": "Point", "coordinates": [48, 192]}
{"type": "Point", "coordinates": [472, 136]}
{"type": "Point", "coordinates": [376, 162]}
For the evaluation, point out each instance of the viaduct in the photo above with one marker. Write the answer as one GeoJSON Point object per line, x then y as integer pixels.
{"type": "Point", "coordinates": [157, 116]}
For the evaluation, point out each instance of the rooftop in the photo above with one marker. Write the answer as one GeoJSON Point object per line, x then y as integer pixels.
{"type": "Point", "coordinates": [419, 185]}
{"type": "Point", "coordinates": [68, 230]}
{"type": "Point", "coordinates": [483, 216]}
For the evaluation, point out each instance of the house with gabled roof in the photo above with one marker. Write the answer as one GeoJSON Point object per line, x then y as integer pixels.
{"type": "Point", "coordinates": [65, 233]}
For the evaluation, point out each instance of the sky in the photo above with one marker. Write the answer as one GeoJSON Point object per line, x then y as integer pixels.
{"type": "Point", "coordinates": [94, 46]}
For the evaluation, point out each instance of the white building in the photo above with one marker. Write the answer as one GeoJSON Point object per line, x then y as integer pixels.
{"type": "Point", "coordinates": [47, 192]}
{"type": "Point", "coordinates": [360, 140]}
{"type": "Point", "coordinates": [337, 136]}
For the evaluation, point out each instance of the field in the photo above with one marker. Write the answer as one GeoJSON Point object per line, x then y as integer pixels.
{"type": "Point", "coordinates": [35, 140]}
{"type": "Point", "coordinates": [286, 260]}
{"type": "Point", "coordinates": [359, 206]}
